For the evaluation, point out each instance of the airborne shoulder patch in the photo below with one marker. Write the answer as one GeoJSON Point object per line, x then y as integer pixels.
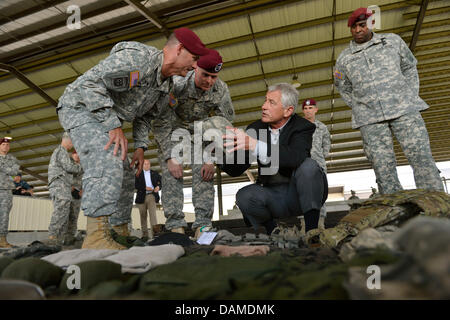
{"type": "Point", "coordinates": [172, 100]}
{"type": "Point", "coordinates": [338, 75]}
{"type": "Point", "coordinates": [134, 78]}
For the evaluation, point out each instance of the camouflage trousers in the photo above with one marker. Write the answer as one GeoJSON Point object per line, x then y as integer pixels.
{"type": "Point", "coordinates": [172, 198]}
{"type": "Point", "coordinates": [412, 135]}
{"type": "Point", "coordinates": [108, 182]}
{"type": "Point", "coordinates": [6, 200]}
{"type": "Point", "coordinates": [72, 222]}
{"type": "Point", "coordinates": [61, 196]}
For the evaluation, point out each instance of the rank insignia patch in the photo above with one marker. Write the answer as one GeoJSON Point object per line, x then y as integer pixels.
{"type": "Point", "coordinates": [134, 79]}
{"type": "Point", "coordinates": [172, 100]}
{"type": "Point", "coordinates": [337, 75]}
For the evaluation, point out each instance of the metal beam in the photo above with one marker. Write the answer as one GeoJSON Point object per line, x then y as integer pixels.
{"type": "Point", "coordinates": [28, 82]}
{"type": "Point", "coordinates": [34, 174]}
{"type": "Point", "coordinates": [149, 16]}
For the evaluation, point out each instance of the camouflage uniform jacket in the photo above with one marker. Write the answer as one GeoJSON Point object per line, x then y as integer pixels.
{"type": "Point", "coordinates": [378, 80]}
{"type": "Point", "coordinates": [189, 104]}
{"type": "Point", "coordinates": [61, 166]}
{"type": "Point", "coordinates": [77, 182]}
{"type": "Point", "coordinates": [126, 86]}
{"type": "Point", "coordinates": [321, 144]}
{"type": "Point", "coordinates": [9, 166]}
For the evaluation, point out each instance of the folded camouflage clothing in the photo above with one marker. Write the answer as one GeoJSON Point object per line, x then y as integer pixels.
{"type": "Point", "coordinates": [387, 209]}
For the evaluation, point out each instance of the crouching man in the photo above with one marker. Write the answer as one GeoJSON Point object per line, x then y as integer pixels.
{"type": "Point", "coordinates": [289, 182]}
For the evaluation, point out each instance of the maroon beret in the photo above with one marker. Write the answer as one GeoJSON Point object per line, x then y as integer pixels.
{"type": "Point", "coordinates": [190, 41]}
{"type": "Point", "coordinates": [211, 62]}
{"type": "Point", "coordinates": [309, 102]}
{"type": "Point", "coordinates": [5, 139]}
{"type": "Point", "coordinates": [359, 15]}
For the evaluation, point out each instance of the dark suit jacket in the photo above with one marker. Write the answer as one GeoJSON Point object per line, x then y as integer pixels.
{"type": "Point", "coordinates": [139, 184]}
{"type": "Point", "coordinates": [295, 143]}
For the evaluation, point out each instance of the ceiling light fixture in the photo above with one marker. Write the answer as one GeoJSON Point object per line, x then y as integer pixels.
{"type": "Point", "coordinates": [295, 83]}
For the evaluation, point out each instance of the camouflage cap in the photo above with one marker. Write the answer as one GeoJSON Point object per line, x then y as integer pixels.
{"type": "Point", "coordinates": [215, 123]}
{"type": "Point", "coordinates": [190, 41]}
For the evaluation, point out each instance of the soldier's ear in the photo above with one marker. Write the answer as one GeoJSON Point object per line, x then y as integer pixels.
{"type": "Point", "coordinates": [179, 48]}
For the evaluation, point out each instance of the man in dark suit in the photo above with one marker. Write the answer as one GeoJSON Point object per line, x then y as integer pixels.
{"type": "Point", "coordinates": [147, 184]}
{"type": "Point", "coordinates": [289, 182]}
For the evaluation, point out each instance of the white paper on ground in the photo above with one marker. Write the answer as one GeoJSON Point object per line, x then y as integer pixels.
{"type": "Point", "coordinates": [206, 238]}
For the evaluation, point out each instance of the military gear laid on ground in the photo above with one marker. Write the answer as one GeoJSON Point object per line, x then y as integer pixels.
{"type": "Point", "coordinates": [127, 241]}
{"type": "Point", "coordinates": [98, 235]}
{"type": "Point", "coordinates": [386, 209]}
{"type": "Point", "coordinates": [225, 236]}
{"type": "Point", "coordinates": [4, 262]}
{"type": "Point", "coordinates": [40, 272]}
{"type": "Point", "coordinates": [92, 273]}
{"type": "Point", "coordinates": [133, 260]}
{"type": "Point", "coordinates": [20, 290]}
{"type": "Point", "coordinates": [245, 251]}
{"type": "Point", "coordinates": [367, 240]}
{"type": "Point", "coordinates": [35, 249]}
{"type": "Point", "coordinates": [286, 237]}
{"type": "Point", "coordinates": [142, 259]}
{"type": "Point", "coordinates": [422, 272]}
{"type": "Point", "coordinates": [172, 238]}
{"type": "Point", "coordinates": [66, 258]}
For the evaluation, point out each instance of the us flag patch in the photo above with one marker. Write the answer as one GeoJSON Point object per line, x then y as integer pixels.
{"type": "Point", "coordinates": [134, 79]}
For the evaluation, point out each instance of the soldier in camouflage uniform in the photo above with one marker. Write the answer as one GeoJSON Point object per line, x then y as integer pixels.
{"type": "Point", "coordinates": [196, 97]}
{"type": "Point", "coordinates": [60, 177]}
{"type": "Point", "coordinates": [377, 78]}
{"type": "Point", "coordinates": [9, 167]}
{"type": "Point", "coordinates": [321, 145]}
{"type": "Point", "coordinates": [75, 204]}
{"type": "Point", "coordinates": [128, 85]}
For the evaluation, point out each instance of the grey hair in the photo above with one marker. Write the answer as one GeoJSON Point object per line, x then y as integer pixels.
{"type": "Point", "coordinates": [289, 95]}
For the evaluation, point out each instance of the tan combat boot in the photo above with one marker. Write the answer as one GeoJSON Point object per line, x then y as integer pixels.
{"type": "Point", "coordinates": [98, 235]}
{"type": "Point", "coordinates": [4, 243]}
{"type": "Point", "coordinates": [122, 230]}
{"type": "Point", "coordinates": [178, 230]}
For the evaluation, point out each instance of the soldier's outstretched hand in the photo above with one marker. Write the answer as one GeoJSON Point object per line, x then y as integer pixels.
{"type": "Point", "coordinates": [117, 137]}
